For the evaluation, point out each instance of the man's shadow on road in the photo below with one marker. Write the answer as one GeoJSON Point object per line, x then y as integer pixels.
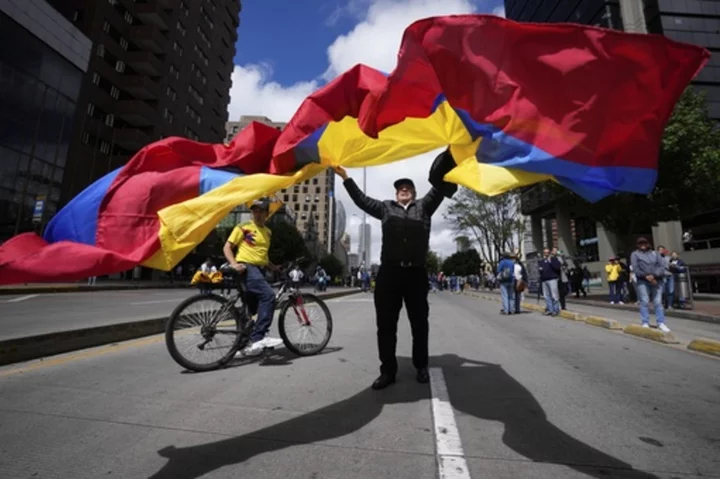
{"type": "Point", "coordinates": [480, 389]}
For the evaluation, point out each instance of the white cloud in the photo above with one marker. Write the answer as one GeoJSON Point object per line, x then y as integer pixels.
{"type": "Point", "coordinates": [499, 11]}
{"type": "Point", "coordinates": [374, 41]}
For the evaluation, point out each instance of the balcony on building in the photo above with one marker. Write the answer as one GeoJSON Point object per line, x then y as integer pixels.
{"type": "Point", "coordinates": [131, 138]}
{"type": "Point", "coordinates": [152, 13]}
{"type": "Point", "coordinates": [146, 63]}
{"type": "Point", "coordinates": [136, 112]}
{"type": "Point", "coordinates": [141, 87]}
{"type": "Point", "coordinates": [148, 37]}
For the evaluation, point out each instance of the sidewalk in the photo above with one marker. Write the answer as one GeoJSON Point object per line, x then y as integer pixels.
{"type": "Point", "coordinates": [706, 309]}
{"type": "Point", "coordinates": [39, 288]}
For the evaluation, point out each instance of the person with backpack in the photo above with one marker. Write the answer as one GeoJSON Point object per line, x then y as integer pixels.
{"type": "Point", "coordinates": [521, 282]}
{"type": "Point", "coordinates": [506, 278]}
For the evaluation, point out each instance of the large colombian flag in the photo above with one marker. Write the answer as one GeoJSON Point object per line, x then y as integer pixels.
{"type": "Point", "coordinates": [516, 103]}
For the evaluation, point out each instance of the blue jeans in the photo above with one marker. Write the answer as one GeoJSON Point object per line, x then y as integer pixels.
{"type": "Point", "coordinates": [646, 292]}
{"type": "Point", "coordinates": [615, 293]}
{"type": "Point", "coordinates": [508, 297]}
{"type": "Point", "coordinates": [258, 285]}
{"type": "Point", "coordinates": [669, 291]}
{"type": "Point", "coordinates": [552, 295]}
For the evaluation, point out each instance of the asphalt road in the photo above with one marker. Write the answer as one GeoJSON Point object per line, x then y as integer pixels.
{"type": "Point", "coordinates": [533, 397]}
{"type": "Point", "coordinates": [31, 314]}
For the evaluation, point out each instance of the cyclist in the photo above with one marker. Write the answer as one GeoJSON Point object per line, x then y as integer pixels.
{"type": "Point", "coordinates": [252, 240]}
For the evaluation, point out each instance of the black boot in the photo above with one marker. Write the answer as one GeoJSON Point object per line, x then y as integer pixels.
{"type": "Point", "coordinates": [383, 381]}
{"type": "Point", "coordinates": [422, 376]}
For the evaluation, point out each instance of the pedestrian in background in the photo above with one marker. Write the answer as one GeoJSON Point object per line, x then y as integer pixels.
{"type": "Point", "coordinates": [649, 269]}
{"type": "Point", "coordinates": [521, 282]}
{"type": "Point", "coordinates": [506, 278]}
{"type": "Point", "coordinates": [612, 270]}
{"type": "Point", "coordinates": [549, 269]}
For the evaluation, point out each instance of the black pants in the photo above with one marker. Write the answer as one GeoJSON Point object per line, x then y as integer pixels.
{"type": "Point", "coordinates": [393, 286]}
{"type": "Point", "coordinates": [563, 290]}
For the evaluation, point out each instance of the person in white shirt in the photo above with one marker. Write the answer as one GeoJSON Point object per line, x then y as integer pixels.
{"type": "Point", "coordinates": [295, 276]}
{"type": "Point", "coordinates": [520, 277]}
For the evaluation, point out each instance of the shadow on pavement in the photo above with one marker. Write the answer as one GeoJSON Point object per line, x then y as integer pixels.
{"type": "Point", "coordinates": [476, 388]}
{"type": "Point", "coordinates": [277, 357]}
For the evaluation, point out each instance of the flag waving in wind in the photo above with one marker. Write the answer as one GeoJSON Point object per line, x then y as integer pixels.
{"type": "Point", "coordinates": [516, 103]}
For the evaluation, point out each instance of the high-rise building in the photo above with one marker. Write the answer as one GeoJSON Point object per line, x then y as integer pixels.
{"type": "Point", "coordinates": [365, 244]}
{"type": "Point", "coordinates": [42, 63]}
{"type": "Point", "coordinates": [158, 68]}
{"type": "Point", "coordinates": [313, 197]}
{"type": "Point", "coordinates": [691, 21]}
{"type": "Point", "coordinates": [462, 244]}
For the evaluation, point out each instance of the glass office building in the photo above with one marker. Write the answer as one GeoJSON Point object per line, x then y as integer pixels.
{"type": "Point", "coordinates": [42, 65]}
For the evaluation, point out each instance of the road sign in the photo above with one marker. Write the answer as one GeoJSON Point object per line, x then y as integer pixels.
{"type": "Point", "coordinates": [38, 209]}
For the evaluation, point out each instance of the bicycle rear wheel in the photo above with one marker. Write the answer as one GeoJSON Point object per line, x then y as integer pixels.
{"type": "Point", "coordinates": [305, 324]}
{"type": "Point", "coordinates": [197, 339]}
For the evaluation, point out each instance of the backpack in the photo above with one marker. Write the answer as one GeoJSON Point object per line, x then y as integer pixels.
{"type": "Point", "coordinates": [506, 274]}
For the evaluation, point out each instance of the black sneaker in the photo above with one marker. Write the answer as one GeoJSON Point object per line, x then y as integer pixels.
{"type": "Point", "coordinates": [383, 381]}
{"type": "Point", "coordinates": [422, 376]}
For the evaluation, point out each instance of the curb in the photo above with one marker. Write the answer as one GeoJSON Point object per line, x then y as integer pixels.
{"type": "Point", "coordinates": [707, 346]}
{"type": "Point", "coordinates": [652, 334]}
{"type": "Point", "coordinates": [34, 347]}
{"type": "Point", "coordinates": [602, 322]}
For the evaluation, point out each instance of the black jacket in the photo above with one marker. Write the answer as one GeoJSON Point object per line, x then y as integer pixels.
{"type": "Point", "coordinates": [405, 231]}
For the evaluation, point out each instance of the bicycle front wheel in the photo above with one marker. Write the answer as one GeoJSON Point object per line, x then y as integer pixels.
{"type": "Point", "coordinates": [197, 337]}
{"type": "Point", "coordinates": [305, 324]}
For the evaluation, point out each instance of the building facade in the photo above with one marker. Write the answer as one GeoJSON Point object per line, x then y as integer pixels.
{"type": "Point", "coordinates": [158, 68]}
{"type": "Point", "coordinates": [313, 197]}
{"type": "Point", "coordinates": [365, 244]}
{"type": "Point", "coordinates": [564, 223]}
{"type": "Point", "coordinates": [42, 64]}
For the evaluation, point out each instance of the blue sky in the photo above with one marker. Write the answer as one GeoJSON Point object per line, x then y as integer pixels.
{"type": "Point", "coordinates": [288, 48]}
{"type": "Point", "coordinates": [293, 36]}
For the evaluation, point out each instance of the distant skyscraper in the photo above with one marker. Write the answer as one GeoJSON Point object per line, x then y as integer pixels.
{"type": "Point", "coordinates": [340, 220]}
{"type": "Point", "coordinates": [364, 244]}
{"type": "Point", "coordinates": [462, 243]}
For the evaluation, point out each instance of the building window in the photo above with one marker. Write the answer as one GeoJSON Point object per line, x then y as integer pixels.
{"type": "Point", "coordinates": [317, 198]}
{"type": "Point", "coordinates": [112, 2]}
{"type": "Point", "coordinates": [85, 138]}
{"type": "Point", "coordinates": [120, 66]}
{"type": "Point", "coordinates": [128, 18]}
{"type": "Point", "coordinates": [178, 49]}
{"type": "Point", "coordinates": [110, 120]}
{"type": "Point", "coordinates": [171, 93]}
{"type": "Point", "coordinates": [96, 79]}
{"type": "Point", "coordinates": [181, 28]}
{"type": "Point", "coordinates": [305, 189]}
{"type": "Point", "coordinates": [124, 43]}
{"type": "Point", "coordinates": [106, 27]}
{"type": "Point", "coordinates": [114, 92]}
{"type": "Point", "coordinates": [286, 198]}
{"type": "Point", "coordinates": [104, 147]}
{"type": "Point", "coordinates": [315, 181]}
{"type": "Point", "coordinates": [307, 199]}
{"type": "Point", "coordinates": [101, 50]}
{"type": "Point", "coordinates": [91, 109]}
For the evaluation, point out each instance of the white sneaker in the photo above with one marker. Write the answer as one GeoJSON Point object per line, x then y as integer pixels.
{"type": "Point", "coordinates": [621, 302]}
{"type": "Point", "coordinates": [269, 342]}
{"type": "Point", "coordinates": [254, 349]}
{"type": "Point", "coordinates": [645, 325]}
{"type": "Point", "coordinates": [612, 302]}
{"type": "Point", "coordinates": [663, 328]}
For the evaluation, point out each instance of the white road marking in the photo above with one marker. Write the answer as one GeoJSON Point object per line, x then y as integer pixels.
{"type": "Point", "coordinates": [22, 298]}
{"type": "Point", "coordinates": [176, 300]}
{"type": "Point", "coordinates": [450, 454]}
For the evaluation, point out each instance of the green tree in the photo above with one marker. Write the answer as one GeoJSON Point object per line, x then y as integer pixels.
{"type": "Point", "coordinates": [688, 175]}
{"type": "Point", "coordinates": [433, 262]}
{"type": "Point", "coordinates": [287, 243]}
{"type": "Point", "coordinates": [332, 266]}
{"type": "Point", "coordinates": [494, 223]}
{"type": "Point", "coordinates": [463, 263]}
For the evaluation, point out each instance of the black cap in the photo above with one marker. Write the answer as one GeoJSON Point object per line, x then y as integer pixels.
{"type": "Point", "coordinates": [260, 203]}
{"type": "Point", "coordinates": [404, 181]}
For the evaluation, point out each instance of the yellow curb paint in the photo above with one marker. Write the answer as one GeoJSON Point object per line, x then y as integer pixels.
{"type": "Point", "coordinates": [707, 346]}
{"type": "Point", "coordinates": [652, 334]}
{"type": "Point", "coordinates": [569, 315]}
{"type": "Point", "coordinates": [602, 322]}
{"type": "Point", "coordinates": [93, 353]}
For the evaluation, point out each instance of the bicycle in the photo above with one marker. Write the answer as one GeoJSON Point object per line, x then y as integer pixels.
{"type": "Point", "coordinates": [232, 318]}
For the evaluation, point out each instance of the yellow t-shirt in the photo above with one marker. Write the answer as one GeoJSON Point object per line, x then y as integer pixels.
{"type": "Point", "coordinates": [613, 271]}
{"type": "Point", "coordinates": [253, 243]}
